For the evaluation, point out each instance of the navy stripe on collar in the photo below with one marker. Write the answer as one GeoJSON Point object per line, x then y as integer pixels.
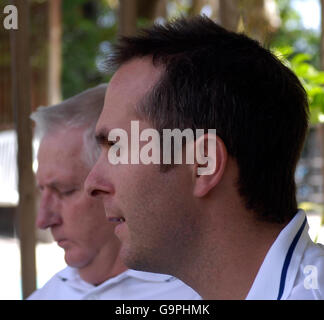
{"type": "Point", "coordinates": [288, 258]}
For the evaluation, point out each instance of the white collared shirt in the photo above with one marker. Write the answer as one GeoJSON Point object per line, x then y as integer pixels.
{"type": "Point", "coordinates": [293, 268]}
{"type": "Point", "coordinates": [129, 285]}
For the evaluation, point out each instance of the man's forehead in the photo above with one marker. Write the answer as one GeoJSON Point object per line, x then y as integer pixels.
{"type": "Point", "coordinates": [136, 71]}
{"type": "Point", "coordinates": [127, 87]}
{"type": "Point", "coordinates": [61, 150]}
{"type": "Point", "coordinates": [62, 171]}
{"type": "Point", "coordinates": [133, 80]}
{"type": "Point", "coordinates": [64, 141]}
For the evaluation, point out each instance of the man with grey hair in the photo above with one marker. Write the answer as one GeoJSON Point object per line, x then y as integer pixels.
{"type": "Point", "coordinates": [78, 223]}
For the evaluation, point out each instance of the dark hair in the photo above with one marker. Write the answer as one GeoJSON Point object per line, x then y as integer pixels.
{"type": "Point", "coordinates": [214, 78]}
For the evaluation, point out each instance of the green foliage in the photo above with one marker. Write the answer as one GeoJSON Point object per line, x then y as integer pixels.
{"type": "Point", "coordinates": [292, 33]}
{"type": "Point", "coordinates": [311, 78]}
{"type": "Point", "coordinates": [311, 207]}
{"type": "Point", "coordinates": [88, 28]}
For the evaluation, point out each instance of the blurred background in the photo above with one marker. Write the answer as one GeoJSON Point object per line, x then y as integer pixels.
{"type": "Point", "coordinates": [57, 51]}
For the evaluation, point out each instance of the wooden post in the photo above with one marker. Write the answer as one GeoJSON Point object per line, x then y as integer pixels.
{"type": "Point", "coordinates": [127, 17]}
{"type": "Point", "coordinates": [55, 52]}
{"type": "Point", "coordinates": [228, 14]}
{"type": "Point", "coordinates": [320, 128]}
{"type": "Point", "coordinates": [160, 10]}
{"type": "Point", "coordinates": [196, 7]}
{"type": "Point", "coordinates": [322, 35]}
{"type": "Point", "coordinates": [22, 108]}
{"type": "Point", "coordinates": [151, 9]}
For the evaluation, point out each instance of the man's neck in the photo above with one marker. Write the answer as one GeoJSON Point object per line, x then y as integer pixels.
{"type": "Point", "coordinates": [106, 265]}
{"type": "Point", "coordinates": [230, 264]}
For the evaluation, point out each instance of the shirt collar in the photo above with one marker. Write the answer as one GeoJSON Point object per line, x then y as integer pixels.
{"type": "Point", "coordinates": [72, 275]}
{"type": "Point", "coordinates": [149, 276]}
{"type": "Point", "coordinates": [276, 276]}
{"type": "Point", "coordinates": [72, 278]}
{"type": "Point", "coordinates": [68, 274]}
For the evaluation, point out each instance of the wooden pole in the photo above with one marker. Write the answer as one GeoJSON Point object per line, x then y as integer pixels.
{"type": "Point", "coordinates": [151, 9]}
{"type": "Point", "coordinates": [320, 130]}
{"type": "Point", "coordinates": [160, 10]}
{"type": "Point", "coordinates": [127, 17]}
{"type": "Point", "coordinates": [228, 14]}
{"type": "Point", "coordinates": [22, 108]}
{"type": "Point", "coordinates": [322, 35]}
{"type": "Point", "coordinates": [55, 52]}
{"type": "Point", "coordinates": [196, 6]}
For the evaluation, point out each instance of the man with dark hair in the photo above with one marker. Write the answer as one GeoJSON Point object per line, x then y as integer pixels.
{"type": "Point", "coordinates": [234, 233]}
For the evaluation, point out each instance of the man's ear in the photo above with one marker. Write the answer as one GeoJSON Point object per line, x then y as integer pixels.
{"type": "Point", "coordinates": [211, 159]}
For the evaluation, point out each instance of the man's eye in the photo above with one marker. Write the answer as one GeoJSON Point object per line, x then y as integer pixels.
{"type": "Point", "coordinates": [68, 193]}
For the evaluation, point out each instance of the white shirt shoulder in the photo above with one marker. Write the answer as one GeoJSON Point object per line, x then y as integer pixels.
{"type": "Point", "coordinates": [53, 289]}
{"type": "Point", "coordinates": [309, 283]}
{"type": "Point", "coordinates": [293, 267]}
{"type": "Point", "coordinates": [129, 285]}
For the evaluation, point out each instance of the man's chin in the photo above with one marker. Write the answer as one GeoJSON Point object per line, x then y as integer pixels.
{"type": "Point", "coordinates": [135, 259]}
{"type": "Point", "coordinates": [74, 260]}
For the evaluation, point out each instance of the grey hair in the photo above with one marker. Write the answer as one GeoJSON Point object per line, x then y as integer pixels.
{"type": "Point", "coordinates": [81, 110]}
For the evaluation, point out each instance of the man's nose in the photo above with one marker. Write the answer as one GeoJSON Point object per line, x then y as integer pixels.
{"type": "Point", "coordinates": [49, 213]}
{"type": "Point", "coordinates": [96, 183]}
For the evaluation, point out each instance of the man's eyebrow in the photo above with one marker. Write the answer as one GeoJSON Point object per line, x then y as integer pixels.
{"type": "Point", "coordinates": [55, 185]}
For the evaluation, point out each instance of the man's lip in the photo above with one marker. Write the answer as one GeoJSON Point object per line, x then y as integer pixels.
{"type": "Point", "coordinates": [119, 229]}
{"type": "Point", "coordinates": [116, 219]}
{"type": "Point", "coordinates": [61, 242]}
